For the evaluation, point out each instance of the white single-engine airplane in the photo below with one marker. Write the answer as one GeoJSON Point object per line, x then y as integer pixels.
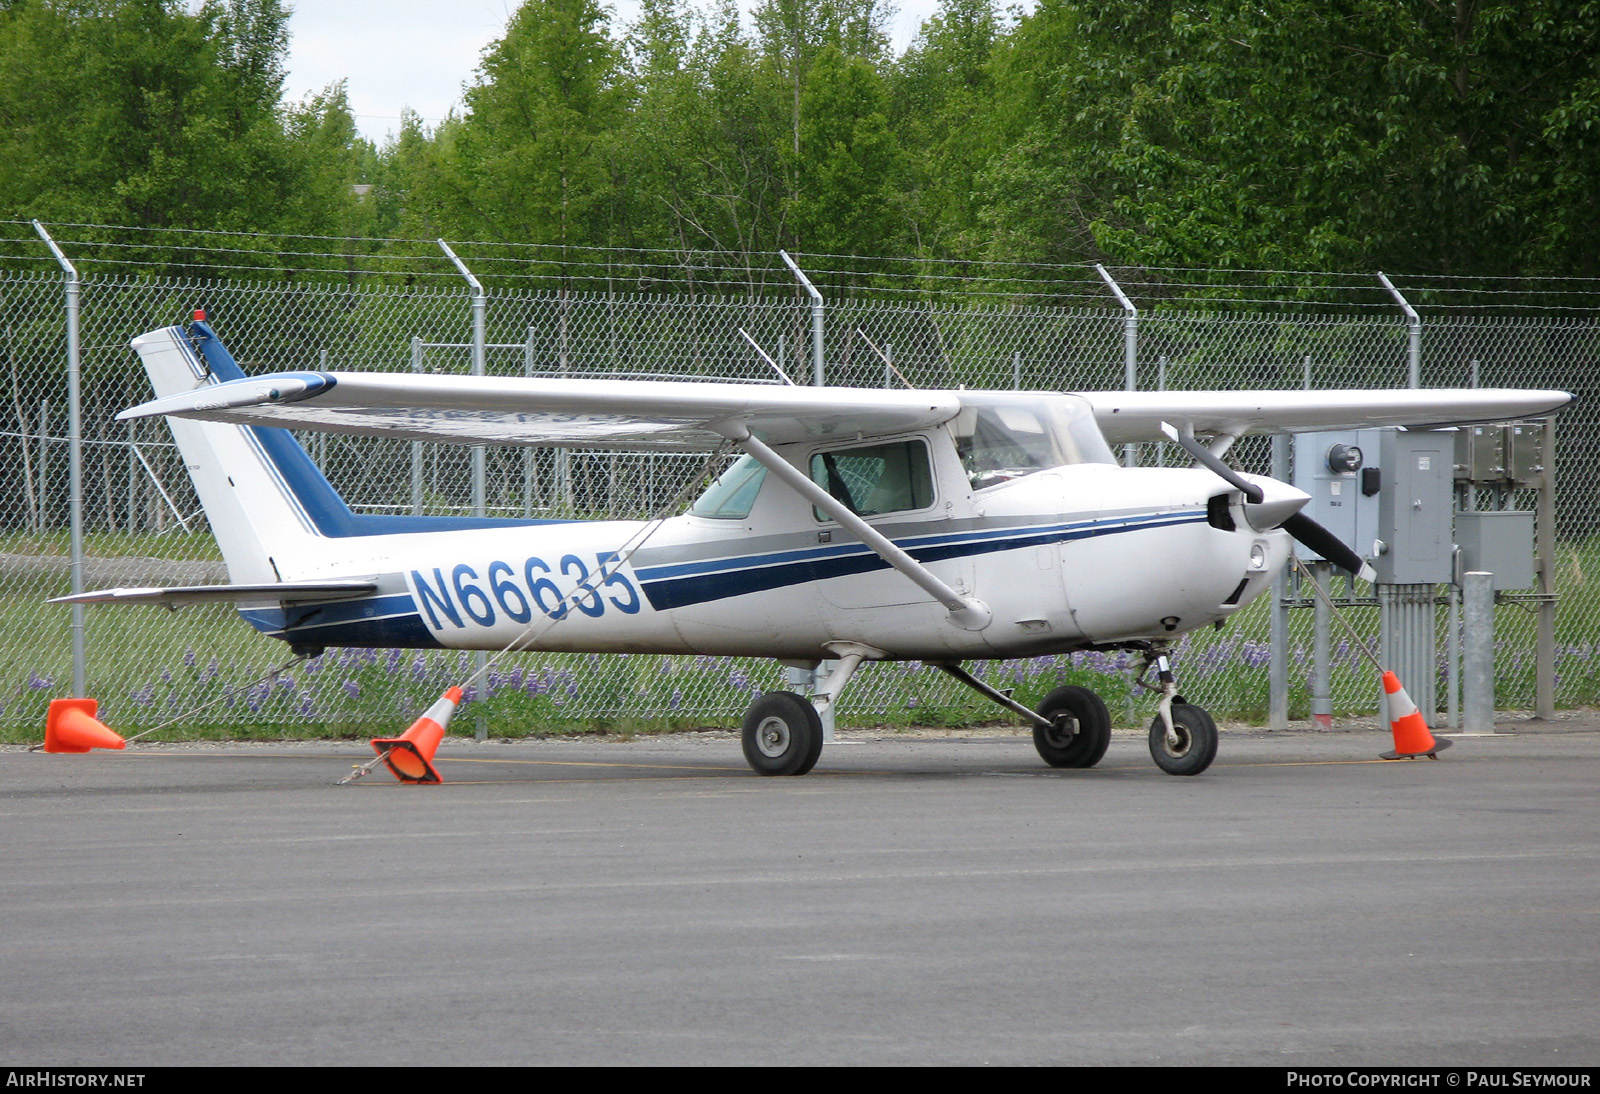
{"type": "Point", "coordinates": [859, 525]}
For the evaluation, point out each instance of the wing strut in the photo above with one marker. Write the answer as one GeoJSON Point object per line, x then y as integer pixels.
{"type": "Point", "coordinates": [966, 612]}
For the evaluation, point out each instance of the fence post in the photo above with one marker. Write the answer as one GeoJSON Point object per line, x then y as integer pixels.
{"type": "Point", "coordinates": [1130, 351]}
{"type": "Point", "coordinates": [1414, 332]}
{"type": "Point", "coordinates": [74, 455]}
{"type": "Point", "coordinates": [1278, 622]}
{"type": "Point", "coordinates": [1477, 700]}
{"type": "Point", "coordinates": [480, 305]}
{"type": "Point", "coordinates": [1544, 702]}
{"type": "Point", "coordinates": [817, 376]}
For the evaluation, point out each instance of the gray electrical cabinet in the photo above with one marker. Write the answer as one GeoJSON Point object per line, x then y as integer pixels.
{"type": "Point", "coordinates": [1415, 507]}
{"type": "Point", "coordinates": [1385, 492]}
{"type": "Point", "coordinates": [1499, 542]}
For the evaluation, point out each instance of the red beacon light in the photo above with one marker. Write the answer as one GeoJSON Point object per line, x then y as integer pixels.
{"type": "Point", "coordinates": [199, 315]}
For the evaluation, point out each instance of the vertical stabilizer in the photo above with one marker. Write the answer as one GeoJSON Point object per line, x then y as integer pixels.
{"type": "Point", "coordinates": [259, 521]}
{"type": "Point", "coordinates": [270, 507]}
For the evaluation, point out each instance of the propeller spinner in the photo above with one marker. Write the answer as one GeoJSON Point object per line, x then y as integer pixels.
{"type": "Point", "coordinates": [1272, 504]}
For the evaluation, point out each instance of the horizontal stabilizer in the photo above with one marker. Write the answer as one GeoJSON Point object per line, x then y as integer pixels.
{"type": "Point", "coordinates": [298, 592]}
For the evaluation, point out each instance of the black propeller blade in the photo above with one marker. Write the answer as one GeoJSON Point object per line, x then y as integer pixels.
{"type": "Point", "coordinates": [1326, 544]}
{"type": "Point", "coordinates": [1305, 530]}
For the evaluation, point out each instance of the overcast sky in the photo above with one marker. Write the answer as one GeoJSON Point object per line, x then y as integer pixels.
{"type": "Point", "coordinates": [420, 53]}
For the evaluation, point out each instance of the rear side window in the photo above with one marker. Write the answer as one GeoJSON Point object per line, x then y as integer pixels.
{"type": "Point", "coordinates": [878, 479]}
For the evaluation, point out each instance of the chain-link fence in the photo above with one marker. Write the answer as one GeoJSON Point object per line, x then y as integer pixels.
{"type": "Point", "coordinates": [143, 525]}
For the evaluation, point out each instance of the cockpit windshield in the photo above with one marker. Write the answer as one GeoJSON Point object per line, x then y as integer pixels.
{"type": "Point", "coordinates": [733, 495]}
{"type": "Point", "coordinates": [1002, 436]}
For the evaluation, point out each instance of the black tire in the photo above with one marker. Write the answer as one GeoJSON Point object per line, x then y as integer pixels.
{"type": "Point", "coordinates": [1197, 741]}
{"type": "Point", "coordinates": [782, 734]}
{"type": "Point", "coordinates": [1080, 728]}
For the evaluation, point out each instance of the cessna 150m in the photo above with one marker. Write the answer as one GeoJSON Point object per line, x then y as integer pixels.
{"type": "Point", "coordinates": [858, 525]}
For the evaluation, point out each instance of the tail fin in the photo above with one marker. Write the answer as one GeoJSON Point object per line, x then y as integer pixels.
{"type": "Point", "coordinates": [265, 499]}
{"type": "Point", "coordinates": [255, 519]}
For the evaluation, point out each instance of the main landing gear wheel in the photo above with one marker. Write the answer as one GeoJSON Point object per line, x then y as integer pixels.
{"type": "Point", "coordinates": [1196, 743]}
{"type": "Point", "coordinates": [1080, 728]}
{"type": "Point", "coordinates": [782, 734]}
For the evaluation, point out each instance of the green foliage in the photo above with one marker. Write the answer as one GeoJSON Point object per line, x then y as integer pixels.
{"type": "Point", "coordinates": [1353, 135]}
{"type": "Point", "coordinates": [848, 166]}
{"type": "Point", "coordinates": [1361, 134]}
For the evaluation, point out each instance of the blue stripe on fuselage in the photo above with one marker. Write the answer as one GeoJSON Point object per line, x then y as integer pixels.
{"type": "Point", "coordinates": [682, 584]}
{"type": "Point", "coordinates": [388, 620]}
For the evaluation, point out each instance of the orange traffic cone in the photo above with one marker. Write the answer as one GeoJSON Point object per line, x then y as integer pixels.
{"type": "Point", "coordinates": [1411, 736]}
{"type": "Point", "coordinates": [71, 726]}
{"type": "Point", "coordinates": [410, 755]}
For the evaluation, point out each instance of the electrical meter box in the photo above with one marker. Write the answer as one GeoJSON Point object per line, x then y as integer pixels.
{"type": "Point", "coordinates": [1340, 472]}
{"type": "Point", "coordinates": [1415, 507]}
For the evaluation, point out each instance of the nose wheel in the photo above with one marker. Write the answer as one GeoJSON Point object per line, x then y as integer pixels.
{"type": "Point", "coordinates": [1183, 738]}
{"type": "Point", "coordinates": [1191, 744]}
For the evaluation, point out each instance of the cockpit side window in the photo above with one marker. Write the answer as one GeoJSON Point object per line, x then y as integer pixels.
{"type": "Point", "coordinates": [877, 479]}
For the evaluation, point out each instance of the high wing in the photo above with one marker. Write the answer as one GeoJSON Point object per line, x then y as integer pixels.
{"type": "Point", "coordinates": [1137, 415]}
{"type": "Point", "coordinates": [623, 414]}
{"type": "Point", "coordinates": [610, 414]}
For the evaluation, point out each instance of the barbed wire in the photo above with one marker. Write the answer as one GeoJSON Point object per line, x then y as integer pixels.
{"type": "Point", "coordinates": [200, 252]}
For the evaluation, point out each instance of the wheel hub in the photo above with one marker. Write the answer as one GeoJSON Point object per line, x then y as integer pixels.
{"type": "Point", "coordinates": [772, 737]}
{"type": "Point", "coordinates": [1064, 729]}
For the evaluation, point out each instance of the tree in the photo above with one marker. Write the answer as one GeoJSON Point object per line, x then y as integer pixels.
{"type": "Point", "coordinates": [1348, 135]}
{"type": "Point", "coordinates": [850, 160]}
{"type": "Point", "coordinates": [941, 104]}
{"type": "Point", "coordinates": [532, 152]}
{"type": "Point", "coordinates": [704, 145]}
{"type": "Point", "coordinates": [148, 114]}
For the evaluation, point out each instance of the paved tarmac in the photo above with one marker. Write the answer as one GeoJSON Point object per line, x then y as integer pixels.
{"type": "Point", "coordinates": [923, 901]}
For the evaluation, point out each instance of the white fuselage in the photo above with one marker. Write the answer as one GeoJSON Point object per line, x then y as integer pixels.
{"type": "Point", "coordinates": [1077, 555]}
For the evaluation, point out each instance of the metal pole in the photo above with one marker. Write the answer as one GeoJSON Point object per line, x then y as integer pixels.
{"type": "Point", "coordinates": [1130, 350]}
{"type": "Point", "coordinates": [527, 453]}
{"type": "Point", "coordinates": [1544, 701]}
{"type": "Point", "coordinates": [1414, 329]}
{"type": "Point", "coordinates": [1321, 651]}
{"type": "Point", "coordinates": [74, 454]}
{"type": "Point", "coordinates": [1477, 691]}
{"type": "Point", "coordinates": [416, 446]}
{"type": "Point", "coordinates": [1278, 632]}
{"type": "Point", "coordinates": [480, 305]}
{"type": "Point", "coordinates": [817, 377]}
